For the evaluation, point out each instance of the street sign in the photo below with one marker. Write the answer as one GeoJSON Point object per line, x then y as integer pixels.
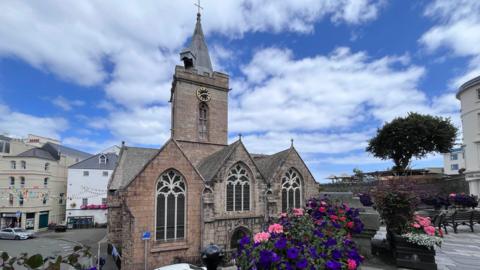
{"type": "Point", "coordinates": [146, 236]}
{"type": "Point", "coordinates": [18, 214]}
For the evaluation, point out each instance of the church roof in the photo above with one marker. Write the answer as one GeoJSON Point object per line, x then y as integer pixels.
{"type": "Point", "coordinates": [210, 165]}
{"type": "Point", "coordinates": [197, 52]}
{"type": "Point", "coordinates": [268, 164]}
{"type": "Point", "coordinates": [131, 162]}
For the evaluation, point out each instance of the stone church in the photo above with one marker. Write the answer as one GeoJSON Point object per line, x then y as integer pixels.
{"type": "Point", "coordinates": [198, 189]}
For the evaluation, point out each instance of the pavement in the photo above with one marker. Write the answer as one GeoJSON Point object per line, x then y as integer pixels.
{"type": "Point", "coordinates": [459, 250]}
{"type": "Point", "coordinates": [62, 243]}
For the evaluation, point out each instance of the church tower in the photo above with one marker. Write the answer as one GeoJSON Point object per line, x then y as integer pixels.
{"type": "Point", "coordinates": [199, 96]}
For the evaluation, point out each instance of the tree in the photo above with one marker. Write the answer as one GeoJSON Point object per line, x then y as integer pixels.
{"type": "Point", "coordinates": [413, 136]}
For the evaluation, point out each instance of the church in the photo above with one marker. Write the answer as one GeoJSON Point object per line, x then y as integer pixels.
{"type": "Point", "coordinates": [197, 189]}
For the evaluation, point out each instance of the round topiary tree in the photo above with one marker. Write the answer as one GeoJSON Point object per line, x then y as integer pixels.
{"type": "Point", "coordinates": [415, 135]}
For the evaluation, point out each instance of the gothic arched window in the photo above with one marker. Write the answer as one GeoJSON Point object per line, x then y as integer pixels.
{"type": "Point", "coordinates": [170, 216]}
{"type": "Point", "coordinates": [203, 121]}
{"type": "Point", "coordinates": [238, 188]}
{"type": "Point", "coordinates": [291, 190]}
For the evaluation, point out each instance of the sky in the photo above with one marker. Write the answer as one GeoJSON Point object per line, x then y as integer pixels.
{"type": "Point", "coordinates": [327, 73]}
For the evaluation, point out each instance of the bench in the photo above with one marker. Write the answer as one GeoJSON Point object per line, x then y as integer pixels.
{"type": "Point", "coordinates": [457, 218]}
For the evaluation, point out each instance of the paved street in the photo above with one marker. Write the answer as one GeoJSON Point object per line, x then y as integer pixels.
{"type": "Point", "coordinates": [460, 251]}
{"type": "Point", "coordinates": [54, 244]}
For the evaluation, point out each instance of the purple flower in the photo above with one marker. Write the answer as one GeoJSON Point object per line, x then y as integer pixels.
{"type": "Point", "coordinates": [302, 264]}
{"type": "Point", "coordinates": [281, 243]}
{"type": "Point", "coordinates": [244, 241]}
{"type": "Point", "coordinates": [336, 254]}
{"type": "Point", "coordinates": [292, 253]}
{"type": "Point", "coordinates": [331, 242]}
{"type": "Point", "coordinates": [265, 258]}
{"type": "Point", "coordinates": [313, 253]}
{"type": "Point", "coordinates": [333, 265]}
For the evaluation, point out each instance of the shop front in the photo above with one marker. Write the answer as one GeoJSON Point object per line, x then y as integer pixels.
{"type": "Point", "coordinates": [30, 221]}
{"type": "Point", "coordinates": [80, 222]}
{"type": "Point", "coordinates": [43, 219]}
{"type": "Point", "coordinates": [10, 220]}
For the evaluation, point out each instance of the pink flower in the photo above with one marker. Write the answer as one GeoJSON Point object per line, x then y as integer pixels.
{"type": "Point", "coordinates": [352, 264]}
{"type": "Point", "coordinates": [297, 212]}
{"type": "Point", "coordinates": [283, 215]}
{"type": "Point", "coordinates": [261, 237]}
{"type": "Point", "coordinates": [275, 228]}
{"type": "Point", "coordinates": [322, 209]}
{"type": "Point", "coordinates": [430, 230]}
{"type": "Point", "coordinates": [350, 224]}
{"type": "Point", "coordinates": [333, 217]}
{"type": "Point", "coordinates": [452, 195]}
{"type": "Point", "coordinates": [323, 203]}
{"type": "Point", "coordinates": [416, 225]}
{"type": "Point", "coordinates": [342, 219]}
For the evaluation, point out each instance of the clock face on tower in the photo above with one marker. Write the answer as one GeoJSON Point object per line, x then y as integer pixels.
{"type": "Point", "coordinates": [203, 94]}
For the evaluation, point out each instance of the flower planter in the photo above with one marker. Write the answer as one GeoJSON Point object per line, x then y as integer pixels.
{"type": "Point", "coordinates": [413, 256]}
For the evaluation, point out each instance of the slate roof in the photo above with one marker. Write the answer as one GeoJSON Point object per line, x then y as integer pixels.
{"type": "Point", "coordinates": [198, 48]}
{"type": "Point", "coordinates": [5, 138]}
{"type": "Point", "coordinates": [130, 163]}
{"type": "Point", "coordinates": [268, 164]}
{"type": "Point", "coordinates": [93, 162]}
{"type": "Point", "coordinates": [210, 165]}
{"type": "Point", "coordinates": [69, 151]}
{"type": "Point", "coordinates": [39, 152]}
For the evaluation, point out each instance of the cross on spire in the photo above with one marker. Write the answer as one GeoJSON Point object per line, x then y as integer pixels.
{"type": "Point", "coordinates": [198, 6]}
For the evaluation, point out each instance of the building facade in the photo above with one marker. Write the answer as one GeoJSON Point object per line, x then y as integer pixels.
{"type": "Point", "coordinates": [198, 189]}
{"type": "Point", "coordinates": [469, 96]}
{"type": "Point", "coordinates": [33, 190]}
{"type": "Point", "coordinates": [87, 189]}
{"type": "Point", "coordinates": [454, 161]}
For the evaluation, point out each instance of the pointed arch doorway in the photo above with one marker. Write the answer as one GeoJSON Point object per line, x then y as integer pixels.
{"type": "Point", "coordinates": [237, 235]}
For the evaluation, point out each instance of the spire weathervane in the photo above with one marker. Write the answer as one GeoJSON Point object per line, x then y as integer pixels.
{"type": "Point", "coordinates": [198, 6]}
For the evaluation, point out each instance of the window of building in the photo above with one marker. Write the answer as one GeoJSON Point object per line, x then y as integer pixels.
{"type": "Point", "coordinates": [22, 182]}
{"type": "Point", "coordinates": [105, 173]}
{"type": "Point", "coordinates": [10, 199]}
{"type": "Point", "coordinates": [12, 181]}
{"type": "Point", "coordinates": [203, 121]}
{"type": "Point", "coordinates": [13, 164]}
{"type": "Point", "coordinates": [4, 147]}
{"type": "Point", "coordinates": [23, 164]}
{"type": "Point", "coordinates": [60, 200]}
{"type": "Point", "coordinates": [20, 200]}
{"type": "Point", "coordinates": [85, 173]}
{"type": "Point", "coordinates": [102, 159]}
{"type": "Point", "coordinates": [45, 199]}
{"type": "Point", "coordinates": [84, 201]}
{"type": "Point", "coordinates": [170, 215]}
{"type": "Point", "coordinates": [104, 200]}
{"type": "Point", "coordinates": [454, 167]}
{"type": "Point", "coordinates": [453, 156]}
{"type": "Point", "coordinates": [45, 182]}
{"type": "Point", "coordinates": [47, 166]}
{"type": "Point", "coordinates": [238, 188]}
{"type": "Point", "coordinates": [291, 190]}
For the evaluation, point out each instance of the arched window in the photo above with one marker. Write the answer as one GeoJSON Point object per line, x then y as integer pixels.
{"type": "Point", "coordinates": [170, 216]}
{"type": "Point", "coordinates": [23, 164]}
{"type": "Point", "coordinates": [47, 166]}
{"type": "Point", "coordinates": [237, 235]}
{"type": "Point", "coordinates": [238, 189]}
{"type": "Point", "coordinates": [203, 121]}
{"type": "Point", "coordinates": [291, 190]}
{"type": "Point", "coordinates": [102, 159]}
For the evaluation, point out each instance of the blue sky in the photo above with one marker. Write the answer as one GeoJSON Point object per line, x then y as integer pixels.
{"type": "Point", "coordinates": [325, 73]}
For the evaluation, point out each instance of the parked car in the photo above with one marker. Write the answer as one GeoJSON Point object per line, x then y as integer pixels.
{"type": "Point", "coordinates": [15, 233]}
{"type": "Point", "coordinates": [181, 266]}
{"type": "Point", "coordinates": [61, 227]}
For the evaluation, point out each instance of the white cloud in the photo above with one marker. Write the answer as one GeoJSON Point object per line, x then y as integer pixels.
{"type": "Point", "coordinates": [339, 90]}
{"type": "Point", "coordinates": [19, 125]}
{"type": "Point", "coordinates": [88, 145]}
{"type": "Point", "coordinates": [65, 104]}
{"type": "Point", "coordinates": [458, 30]}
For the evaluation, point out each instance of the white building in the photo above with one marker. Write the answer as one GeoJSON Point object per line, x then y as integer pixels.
{"type": "Point", "coordinates": [34, 181]}
{"type": "Point", "coordinates": [454, 161]}
{"type": "Point", "coordinates": [469, 96]}
{"type": "Point", "coordinates": [87, 189]}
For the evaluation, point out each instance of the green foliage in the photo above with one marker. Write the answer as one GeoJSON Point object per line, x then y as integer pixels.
{"type": "Point", "coordinates": [413, 136]}
{"type": "Point", "coordinates": [37, 261]}
{"type": "Point", "coordinates": [396, 205]}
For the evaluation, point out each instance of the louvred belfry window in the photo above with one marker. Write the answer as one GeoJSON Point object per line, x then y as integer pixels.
{"type": "Point", "coordinates": [238, 189]}
{"type": "Point", "coordinates": [170, 213]}
{"type": "Point", "coordinates": [291, 190]}
{"type": "Point", "coordinates": [203, 121]}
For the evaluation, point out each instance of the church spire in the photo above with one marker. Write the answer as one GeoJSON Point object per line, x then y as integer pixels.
{"type": "Point", "coordinates": [196, 55]}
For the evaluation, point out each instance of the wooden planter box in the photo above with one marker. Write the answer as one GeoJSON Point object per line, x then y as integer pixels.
{"type": "Point", "coordinates": [413, 256]}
